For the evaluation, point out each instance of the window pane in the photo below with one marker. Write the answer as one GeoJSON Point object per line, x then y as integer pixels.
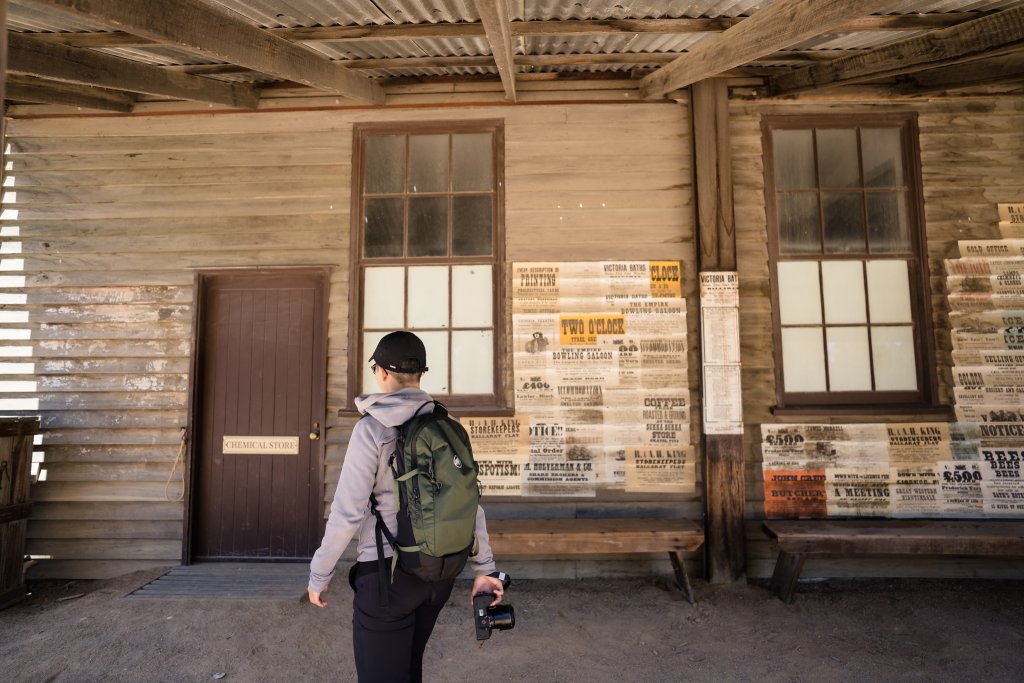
{"type": "Point", "coordinates": [799, 296]}
{"type": "Point", "coordinates": [843, 288]}
{"type": "Point", "coordinates": [799, 226]}
{"type": "Point", "coordinates": [889, 291]}
{"type": "Point", "coordinates": [838, 164]}
{"type": "Point", "coordinates": [428, 226]}
{"type": "Point", "coordinates": [844, 222]}
{"type": "Point", "coordinates": [849, 365]}
{"type": "Point", "coordinates": [803, 359]}
{"type": "Point", "coordinates": [435, 381]}
{"type": "Point", "coordinates": [472, 162]}
{"type": "Point", "coordinates": [472, 297]}
{"type": "Point", "coordinates": [473, 362]}
{"type": "Point", "coordinates": [385, 164]}
{"type": "Point", "coordinates": [471, 226]}
{"type": "Point", "coordinates": [794, 159]}
{"type": "Point", "coordinates": [887, 222]}
{"type": "Point", "coordinates": [428, 296]}
{"type": "Point", "coordinates": [883, 157]}
{"type": "Point", "coordinates": [370, 339]}
{"type": "Point", "coordinates": [384, 298]}
{"type": "Point", "coordinates": [895, 364]}
{"type": "Point", "coordinates": [382, 234]}
{"type": "Point", "coordinates": [428, 163]}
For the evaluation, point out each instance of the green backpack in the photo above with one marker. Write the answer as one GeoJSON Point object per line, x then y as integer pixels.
{"type": "Point", "coordinates": [438, 494]}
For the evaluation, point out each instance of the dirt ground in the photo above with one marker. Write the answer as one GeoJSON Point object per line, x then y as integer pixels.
{"type": "Point", "coordinates": [589, 630]}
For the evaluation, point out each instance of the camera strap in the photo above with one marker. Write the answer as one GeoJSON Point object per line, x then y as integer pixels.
{"type": "Point", "coordinates": [380, 531]}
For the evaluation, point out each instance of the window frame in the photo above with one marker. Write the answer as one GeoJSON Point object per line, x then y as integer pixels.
{"type": "Point", "coordinates": [925, 398]}
{"type": "Point", "coordinates": [496, 402]}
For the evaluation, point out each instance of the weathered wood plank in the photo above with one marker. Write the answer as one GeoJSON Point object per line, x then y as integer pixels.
{"type": "Point", "coordinates": [209, 31]}
{"type": "Point", "coordinates": [115, 549]}
{"type": "Point", "coordinates": [985, 36]}
{"type": "Point", "coordinates": [786, 22]}
{"type": "Point", "coordinates": [86, 67]}
{"type": "Point", "coordinates": [581, 536]}
{"type": "Point", "coordinates": [107, 511]}
{"type": "Point", "coordinates": [109, 529]}
{"type": "Point", "coordinates": [94, 569]}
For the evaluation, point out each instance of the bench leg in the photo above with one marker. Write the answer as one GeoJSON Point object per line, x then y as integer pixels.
{"type": "Point", "coordinates": [787, 571]}
{"type": "Point", "coordinates": [682, 580]}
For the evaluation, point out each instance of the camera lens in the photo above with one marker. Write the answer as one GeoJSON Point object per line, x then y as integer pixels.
{"type": "Point", "coordinates": [503, 617]}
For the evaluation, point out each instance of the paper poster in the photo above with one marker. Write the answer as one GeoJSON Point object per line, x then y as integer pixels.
{"type": "Point", "coordinates": [501, 446]}
{"type": "Point", "coordinates": [600, 362]}
{"type": "Point", "coordinates": [664, 470]}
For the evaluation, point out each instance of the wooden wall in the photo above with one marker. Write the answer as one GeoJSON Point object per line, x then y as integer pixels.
{"type": "Point", "coordinates": [108, 217]}
{"type": "Point", "coordinates": [972, 157]}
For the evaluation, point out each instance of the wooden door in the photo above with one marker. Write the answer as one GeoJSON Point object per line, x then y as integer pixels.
{"type": "Point", "coordinates": [258, 416]}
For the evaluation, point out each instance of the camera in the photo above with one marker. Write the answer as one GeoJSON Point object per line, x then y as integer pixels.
{"type": "Point", "coordinates": [501, 617]}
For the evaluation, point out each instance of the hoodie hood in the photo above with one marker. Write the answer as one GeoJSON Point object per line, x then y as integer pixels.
{"type": "Point", "coordinates": [395, 408]}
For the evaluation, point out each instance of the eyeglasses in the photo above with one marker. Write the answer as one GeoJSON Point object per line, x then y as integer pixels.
{"type": "Point", "coordinates": [373, 368]}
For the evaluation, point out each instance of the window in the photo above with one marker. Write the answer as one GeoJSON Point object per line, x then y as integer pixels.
{"type": "Point", "coordinates": [428, 241]}
{"type": "Point", "coordinates": [849, 271]}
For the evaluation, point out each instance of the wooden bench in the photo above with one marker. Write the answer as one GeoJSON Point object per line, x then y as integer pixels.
{"type": "Point", "coordinates": [599, 536]}
{"type": "Point", "coordinates": [798, 539]}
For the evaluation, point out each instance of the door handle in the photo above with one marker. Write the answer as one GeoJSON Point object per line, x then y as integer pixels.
{"type": "Point", "coordinates": [315, 434]}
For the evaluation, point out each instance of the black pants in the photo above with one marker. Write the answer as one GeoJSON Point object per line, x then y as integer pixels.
{"type": "Point", "coordinates": [389, 642]}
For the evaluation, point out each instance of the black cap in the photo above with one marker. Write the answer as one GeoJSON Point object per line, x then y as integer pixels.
{"type": "Point", "coordinates": [401, 352]}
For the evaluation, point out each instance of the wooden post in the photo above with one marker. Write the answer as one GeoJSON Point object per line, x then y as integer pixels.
{"type": "Point", "coordinates": [724, 548]}
{"type": "Point", "coordinates": [3, 91]}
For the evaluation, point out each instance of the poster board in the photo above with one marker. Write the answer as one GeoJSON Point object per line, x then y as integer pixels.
{"type": "Point", "coordinates": [601, 383]}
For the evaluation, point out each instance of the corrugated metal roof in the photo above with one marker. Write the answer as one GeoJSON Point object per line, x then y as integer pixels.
{"type": "Point", "coordinates": [26, 16]}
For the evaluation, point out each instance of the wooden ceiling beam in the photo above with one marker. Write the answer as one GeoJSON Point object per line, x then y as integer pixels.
{"type": "Point", "coordinates": [525, 29]}
{"type": "Point", "coordinates": [86, 67]}
{"type": "Point", "coordinates": [42, 91]}
{"type": "Point", "coordinates": [198, 27]}
{"type": "Point", "coordinates": [991, 71]}
{"type": "Point", "coordinates": [889, 22]}
{"type": "Point", "coordinates": [999, 32]}
{"type": "Point", "coordinates": [782, 60]}
{"type": "Point", "coordinates": [777, 26]}
{"type": "Point", "coordinates": [495, 18]}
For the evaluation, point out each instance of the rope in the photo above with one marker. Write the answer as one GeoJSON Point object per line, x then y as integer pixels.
{"type": "Point", "coordinates": [177, 461]}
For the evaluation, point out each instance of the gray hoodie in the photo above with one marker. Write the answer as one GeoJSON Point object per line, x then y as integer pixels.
{"type": "Point", "coordinates": [364, 471]}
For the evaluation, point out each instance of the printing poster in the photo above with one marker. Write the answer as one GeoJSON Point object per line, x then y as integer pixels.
{"type": "Point", "coordinates": [600, 368]}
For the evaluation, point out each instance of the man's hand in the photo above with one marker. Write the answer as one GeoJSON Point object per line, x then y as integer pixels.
{"type": "Point", "coordinates": [314, 597]}
{"type": "Point", "coordinates": [481, 584]}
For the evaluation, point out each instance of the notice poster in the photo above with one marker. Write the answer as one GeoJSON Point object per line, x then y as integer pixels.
{"type": "Point", "coordinates": [723, 401]}
{"type": "Point", "coordinates": [960, 488]}
{"type": "Point", "coordinates": [858, 491]}
{"type": "Point", "coordinates": [795, 494]}
{"type": "Point", "coordinates": [963, 268]}
{"type": "Point", "coordinates": [913, 443]}
{"type": "Point", "coordinates": [1011, 339]}
{"type": "Point", "coordinates": [972, 302]}
{"type": "Point", "coordinates": [921, 469]}
{"type": "Point", "coordinates": [987, 319]}
{"type": "Point", "coordinates": [501, 446]}
{"type": "Point", "coordinates": [979, 376]}
{"type": "Point", "coordinates": [1003, 282]}
{"type": "Point", "coordinates": [720, 347]}
{"type": "Point", "coordinates": [600, 365]}
{"type": "Point", "coordinates": [982, 357]}
{"type": "Point", "coordinates": [1011, 220]}
{"type": "Point", "coordinates": [659, 470]}
{"type": "Point", "coordinates": [915, 490]}
{"type": "Point", "coordinates": [991, 248]}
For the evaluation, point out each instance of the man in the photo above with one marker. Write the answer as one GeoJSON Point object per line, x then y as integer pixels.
{"type": "Point", "coordinates": [388, 641]}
